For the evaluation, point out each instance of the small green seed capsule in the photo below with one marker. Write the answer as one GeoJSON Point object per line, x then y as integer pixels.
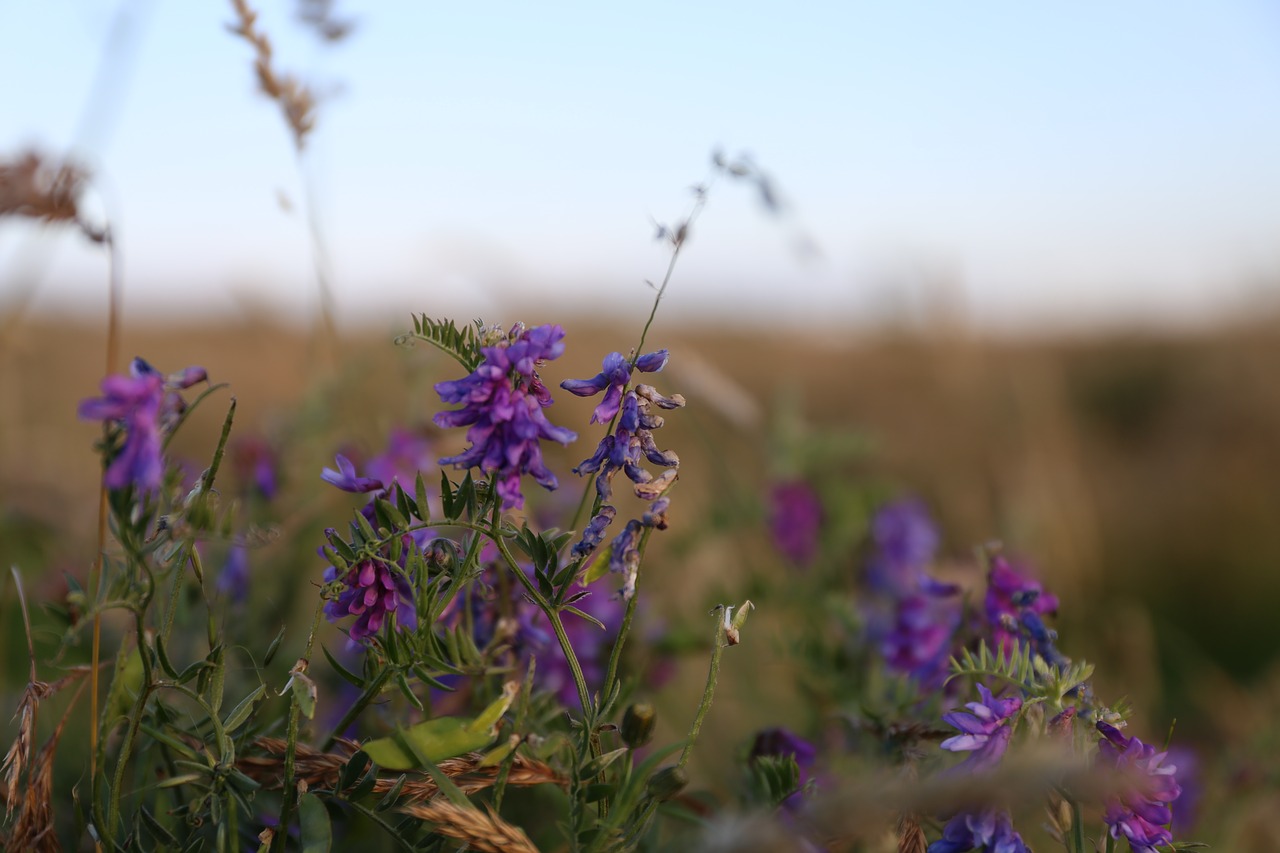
{"type": "Point", "coordinates": [666, 783]}
{"type": "Point", "coordinates": [637, 724]}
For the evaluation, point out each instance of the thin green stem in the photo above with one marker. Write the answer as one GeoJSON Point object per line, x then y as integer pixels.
{"type": "Point", "coordinates": [289, 789]}
{"type": "Point", "coordinates": [713, 674]}
{"type": "Point", "coordinates": [371, 691]}
{"type": "Point", "coordinates": [1077, 827]}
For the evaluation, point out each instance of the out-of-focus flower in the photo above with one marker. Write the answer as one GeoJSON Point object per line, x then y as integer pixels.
{"type": "Point", "coordinates": [905, 540]}
{"type": "Point", "coordinates": [1140, 814]}
{"type": "Point", "coordinates": [983, 730]}
{"type": "Point", "coordinates": [502, 401]}
{"type": "Point", "coordinates": [146, 405]}
{"type": "Point", "coordinates": [1186, 808]}
{"type": "Point", "coordinates": [407, 453]}
{"type": "Point", "coordinates": [345, 477]}
{"type": "Point", "coordinates": [913, 616]}
{"type": "Point", "coordinates": [795, 519]}
{"type": "Point", "coordinates": [780, 742]}
{"type": "Point", "coordinates": [370, 591]}
{"type": "Point", "coordinates": [256, 463]}
{"type": "Point", "coordinates": [990, 831]}
{"type": "Point", "coordinates": [1010, 593]}
{"type": "Point", "coordinates": [233, 581]}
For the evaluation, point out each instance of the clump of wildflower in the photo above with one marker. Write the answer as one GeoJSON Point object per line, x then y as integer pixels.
{"type": "Point", "coordinates": [502, 402]}
{"type": "Point", "coordinates": [795, 518]}
{"type": "Point", "coordinates": [1141, 814]}
{"type": "Point", "coordinates": [146, 405]}
{"type": "Point", "coordinates": [990, 831]}
{"type": "Point", "coordinates": [1012, 593]}
{"type": "Point", "coordinates": [984, 730]}
{"type": "Point", "coordinates": [371, 592]}
{"type": "Point", "coordinates": [918, 615]}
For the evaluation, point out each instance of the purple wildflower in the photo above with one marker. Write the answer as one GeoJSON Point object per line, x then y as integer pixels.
{"type": "Point", "coordinates": [612, 380]}
{"type": "Point", "coordinates": [906, 541]}
{"type": "Point", "coordinates": [989, 830]}
{"type": "Point", "coordinates": [1186, 808]}
{"type": "Point", "coordinates": [1140, 815]}
{"type": "Point", "coordinates": [345, 477]}
{"type": "Point", "coordinates": [917, 615]}
{"type": "Point", "coordinates": [371, 591]}
{"type": "Point", "coordinates": [1010, 593]}
{"type": "Point", "coordinates": [780, 742]}
{"type": "Point", "coordinates": [593, 535]}
{"type": "Point", "coordinates": [233, 582]}
{"type": "Point", "coordinates": [256, 463]}
{"type": "Point", "coordinates": [407, 454]}
{"type": "Point", "coordinates": [502, 402]}
{"type": "Point", "coordinates": [146, 404]}
{"type": "Point", "coordinates": [795, 517]}
{"type": "Point", "coordinates": [983, 731]}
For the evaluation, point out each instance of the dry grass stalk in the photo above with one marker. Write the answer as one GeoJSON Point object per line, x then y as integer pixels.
{"type": "Point", "coordinates": [295, 99]}
{"type": "Point", "coordinates": [321, 770]}
{"type": "Point", "coordinates": [480, 830]}
{"type": "Point", "coordinates": [910, 836]}
{"type": "Point", "coordinates": [33, 187]}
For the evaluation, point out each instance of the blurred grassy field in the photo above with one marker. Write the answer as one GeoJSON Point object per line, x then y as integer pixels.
{"type": "Point", "coordinates": [1138, 472]}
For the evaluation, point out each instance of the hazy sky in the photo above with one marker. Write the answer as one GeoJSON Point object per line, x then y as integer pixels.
{"type": "Point", "coordinates": [1034, 161]}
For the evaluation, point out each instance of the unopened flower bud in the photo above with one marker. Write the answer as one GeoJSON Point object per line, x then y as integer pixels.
{"type": "Point", "coordinates": [637, 724]}
{"type": "Point", "coordinates": [666, 783]}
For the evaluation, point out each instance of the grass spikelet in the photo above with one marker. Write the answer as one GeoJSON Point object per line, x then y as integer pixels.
{"type": "Point", "coordinates": [294, 97]}
{"type": "Point", "coordinates": [480, 830]}
{"type": "Point", "coordinates": [322, 769]}
{"type": "Point", "coordinates": [34, 187]}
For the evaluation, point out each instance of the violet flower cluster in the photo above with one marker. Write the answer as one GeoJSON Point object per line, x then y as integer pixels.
{"type": "Point", "coordinates": [502, 402]}
{"type": "Point", "coordinates": [985, 731]}
{"type": "Point", "coordinates": [795, 520]}
{"type": "Point", "coordinates": [624, 449]}
{"type": "Point", "coordinates": [374, 589]}
{"type": "Point", "coordinates": [146, 405]}
{"type": "Point", "coordinates": [1015, 605]}
{"type": "Point", "coordinates": [1141, 814]}
{"type": "Point", "coordinates": [918, 615]}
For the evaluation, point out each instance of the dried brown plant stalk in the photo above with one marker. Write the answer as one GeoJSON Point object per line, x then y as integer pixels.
{"type": "Point", "coordinates": [32, 186]}
{"type": "Point", "coordinates": [321, 770]}
{"type": "Point", "coordinates": [910, 836]}
{"type": "Point", "coordinates": [294, 97]}
{"type": "Point", "coordinates": [32, 803]}
{"type": "Point", "coordinates": [480, 830]}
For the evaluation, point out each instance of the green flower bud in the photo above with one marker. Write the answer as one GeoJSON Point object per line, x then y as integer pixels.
{"type": "Point", "coordinates": [637, 724]}
{"type": "Point", "coordinates": [666, 783]}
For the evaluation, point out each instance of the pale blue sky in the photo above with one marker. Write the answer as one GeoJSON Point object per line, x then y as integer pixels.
{"type": "Point", "coordinates": [1051, 162]}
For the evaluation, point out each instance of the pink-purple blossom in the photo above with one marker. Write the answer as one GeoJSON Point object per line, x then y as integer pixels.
{"type": "Point", "coordinates": [1141, 813]}
{"type": "Point", "coordinates": [984, 730]}
{"type": "Point", "coordinates": [989, 831]}
{"type": "Point", "coordinates": [502, 402]}
{"type": "Point", "coordinates": [795, 520]}
{"type": "Point", "coordinates": [371, 592]}
{"type": "Point", "coordinates": [146, 405]}
{"type": "Point", "coordinates": [1011, 592]}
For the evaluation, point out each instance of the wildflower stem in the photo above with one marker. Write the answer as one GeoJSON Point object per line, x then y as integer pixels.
{"type": "Point", "coordinates": [289, 791]}
{"type": "Point", "coordinates": [615, 655]}
{"type": "Point", "coordinates": [131, 733]}
{"type": "Point", "coordinates": [1077, 828]}
{"type": "Point", "coordinates": [95, 586]}
{"type": "Point", "coordinates": [371, 690]}
{"type": "Point", "coordinates": [713, 673]}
